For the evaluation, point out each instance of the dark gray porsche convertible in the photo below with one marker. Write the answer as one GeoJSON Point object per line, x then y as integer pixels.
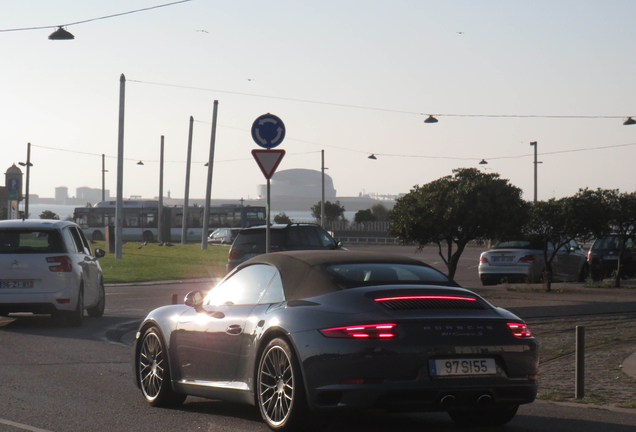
{"type": "Point", "coordinates": [306, 332]}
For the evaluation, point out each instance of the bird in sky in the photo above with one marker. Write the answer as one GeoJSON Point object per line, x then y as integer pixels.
{"type": "Point", "coordinates": [203, 31]}
{"type": "Point", "coordinates": [460, 32]}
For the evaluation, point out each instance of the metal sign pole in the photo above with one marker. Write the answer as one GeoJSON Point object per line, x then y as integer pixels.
{"type": "Point", "coordinates": [268, 131]}
{"type": "Point", "coordinates": [267, 238]}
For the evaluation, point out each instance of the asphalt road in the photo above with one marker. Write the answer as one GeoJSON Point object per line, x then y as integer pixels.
{"type": "Point", "coordinates": [57, 378]}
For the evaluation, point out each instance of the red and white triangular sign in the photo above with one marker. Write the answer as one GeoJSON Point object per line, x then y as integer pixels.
{"type": "Point", "coordinates": [268, 160]}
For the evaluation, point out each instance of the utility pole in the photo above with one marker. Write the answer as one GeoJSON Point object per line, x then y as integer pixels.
{"type": "Point", "coordinates": [534, 144]}
{"type": "Point", "coordinates": [322, 201]}
{"type": "Point", "coordinates": [119, 208]}
{"type": "Point", "coordinates": [184, 222]}
{"type": "Point", "coordinates": [208, 189]}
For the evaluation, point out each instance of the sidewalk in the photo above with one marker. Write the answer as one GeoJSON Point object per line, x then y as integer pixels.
{"type": "Point", "coordinates": [565, 300]}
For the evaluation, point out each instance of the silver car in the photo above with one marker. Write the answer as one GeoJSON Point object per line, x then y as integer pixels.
{"type": "Point", "coordinates": [523, 261]}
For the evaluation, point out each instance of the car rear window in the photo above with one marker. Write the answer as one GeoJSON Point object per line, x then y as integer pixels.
{"type": "Point", "coordinates": [519, 244]}
{"type": "Point", "coordinates": [611, 242]}
{"type": "Point", "coordinates": [254, 240]}
{"type": "Point", "coordinates": [30, 241]}
{"type": "Point", "coordinates": [372, 273]}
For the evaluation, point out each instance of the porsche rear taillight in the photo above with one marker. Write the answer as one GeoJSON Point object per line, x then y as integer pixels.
{"type": "Point", "coordinates": [519, 330]}
{"type": "Point", "coordinates": [364, 331]}
{"type": "Point", "coordinates": [60, 264]}
{"type": "Point", "coordinates": [527, 259]}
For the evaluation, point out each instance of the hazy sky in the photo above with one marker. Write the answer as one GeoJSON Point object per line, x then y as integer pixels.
{"type": "Point", "coordinates": [352, 77]}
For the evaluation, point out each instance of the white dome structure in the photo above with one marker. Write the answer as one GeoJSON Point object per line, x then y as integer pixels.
{"type": "Point", "coordinates": [300, 183]}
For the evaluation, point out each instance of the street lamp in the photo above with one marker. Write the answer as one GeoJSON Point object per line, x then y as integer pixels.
{"type": "Point", "coordinates": [28, 165]}
{"type": "Point", "coordinates": [61, 34]}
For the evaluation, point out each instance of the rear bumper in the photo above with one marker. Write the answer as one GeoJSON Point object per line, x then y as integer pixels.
{"type": "Point", "coordinates": [515, 273]}
{"type": "Point", "coordinates": [440, 395]}
{"type": "Point", "coordinates": [38, 302]}
{"type": "Point", "coordinates": [36, 308]}
{"type": "Point", "coordinates": [396, 375]}
{"type": "Point", "coordinates": [600, 267]}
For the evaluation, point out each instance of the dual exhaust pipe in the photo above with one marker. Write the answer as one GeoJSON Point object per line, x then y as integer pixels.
{"type": "Point", "coordinates": [450, 400]}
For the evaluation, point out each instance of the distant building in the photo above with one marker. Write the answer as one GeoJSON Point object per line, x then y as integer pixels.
{"type": "Point", "coordinates": [61, 194]}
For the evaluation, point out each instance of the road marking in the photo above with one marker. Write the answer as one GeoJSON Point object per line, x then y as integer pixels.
{"type": "Point", "coordinates": [22, 426]}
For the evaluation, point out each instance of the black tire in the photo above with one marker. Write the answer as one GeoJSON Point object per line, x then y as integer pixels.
{"type": "Point", "coordinates": [76, 317]}
{"type": "Point", "coordinates": [484, 416]}
{"type": "Point", "coordinates": [584, 273]}
{"type": "Point", "coordinates": [280, 394]}
{"type": "Point", "coordinates": [153, 371]}
{"type": "Point", "coordinates": [488, 282]}
{"type": "Point", "coordinates": [97, 236]}
{"type": "Point", "coordinates": [147, 236]}
{"type": "Point", "coordinates": [98, 310]}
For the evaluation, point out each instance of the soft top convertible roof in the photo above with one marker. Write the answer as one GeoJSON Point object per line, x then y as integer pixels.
{"type": "Point", "coordinates": [303, 272]}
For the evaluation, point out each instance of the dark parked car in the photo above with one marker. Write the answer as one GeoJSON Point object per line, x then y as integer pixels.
{"type": "Point", "coordinates": [604, 254]}
{"type": "Point", "coordinates": [299, 334]}
{"type": "Point", "coordinates": [283, 237]}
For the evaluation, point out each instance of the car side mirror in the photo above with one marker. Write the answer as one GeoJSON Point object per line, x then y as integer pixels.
{"type": "Point", "coordinates": [194, 299]}
{"type": "Point", "coordinates": [100, 253]}
{"type": "Point", "coordinates": [339, 244]}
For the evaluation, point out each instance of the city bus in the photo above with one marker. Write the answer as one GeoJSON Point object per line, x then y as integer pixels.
{"type": "Point", "coordinates": [140, 219]}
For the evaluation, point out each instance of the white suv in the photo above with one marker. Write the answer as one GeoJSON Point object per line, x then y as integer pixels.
{"type": "Point", "coordinates": [47, 267]}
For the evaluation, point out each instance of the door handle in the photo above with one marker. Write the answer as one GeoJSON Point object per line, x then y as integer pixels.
{"type": "Point", "coordinates": [234, 329]}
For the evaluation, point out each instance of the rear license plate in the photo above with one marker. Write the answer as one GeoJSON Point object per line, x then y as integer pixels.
{"type": "Point", "coordinates": [462, 367]}
{"type": "Point", "coordinates": [611, 257]}
{"type": "Point", "coordinates": [506, 259]}
{"type": "Point", "coordinates": [11, 284]}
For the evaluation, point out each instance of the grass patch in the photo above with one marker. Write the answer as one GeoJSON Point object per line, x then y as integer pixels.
{"type": "Point", "coordinates": [591, 399]}
{"type": "Point", "coordinates": [627, 404]}
{"type": "Point", "coordinates": [551, 395]}
{"type": "Point", "coordinates": [151, 262]}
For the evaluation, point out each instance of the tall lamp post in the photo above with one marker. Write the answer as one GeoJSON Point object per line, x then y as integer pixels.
{"type": "Point", "coordinates": [534, 144]}
{"type": "Point", "coordinates": [104, 171]}
{"type": "Point", "coordinates": [28, 165]}
{"type": "Point", "coordinates": [322, 201]}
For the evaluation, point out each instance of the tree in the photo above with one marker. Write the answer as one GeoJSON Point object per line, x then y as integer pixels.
{"type": "Point", "coordinates": [333, 211]}
{"type": "Point", "coordinates": [557, 222]}
{"type": "Point", "coordinates": [48, 214]}
{"type": "Point", "coordinates": [282, 218]}
{"type": "Point", "coordinates": [363, 216]}
{"type": "Point", "coordinates": [380, 212]}
{"type": "Point", "coordinates": [454, 210]}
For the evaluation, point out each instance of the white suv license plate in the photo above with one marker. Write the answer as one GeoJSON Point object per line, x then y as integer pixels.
{"type": "Point", "coordinates": [462, 367]}
{"type": "Point", "coordinates": [13, 284]}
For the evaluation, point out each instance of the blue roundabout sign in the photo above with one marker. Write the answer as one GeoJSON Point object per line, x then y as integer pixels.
{"type": "Point", "coordinates": [268, 131]}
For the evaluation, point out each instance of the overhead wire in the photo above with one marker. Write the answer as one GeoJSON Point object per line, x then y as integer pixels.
{"type": "Point", "coordinates": [95, 19]}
